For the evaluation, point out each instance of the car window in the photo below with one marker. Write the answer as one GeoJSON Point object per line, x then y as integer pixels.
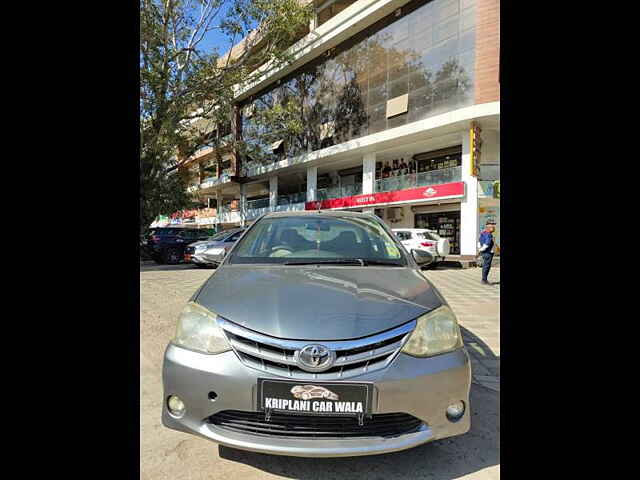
{"type": "Point", "coordinates": [281, 239]}
{"type": "Point", "coordinates": [403, 235]}
{"type": "Point", "coordinates": [427, 236]}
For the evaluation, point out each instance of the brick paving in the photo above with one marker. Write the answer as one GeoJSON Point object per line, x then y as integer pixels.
{"type": "Point", "coordinates": [477, 307]}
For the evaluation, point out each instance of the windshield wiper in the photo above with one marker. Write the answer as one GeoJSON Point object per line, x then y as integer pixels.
{"type": "Point", "coordinates": [345, 261]}
{"type": "Point", "coordinates": [335, 261]}
{"type": "Point", "coordinates": [381, 262]}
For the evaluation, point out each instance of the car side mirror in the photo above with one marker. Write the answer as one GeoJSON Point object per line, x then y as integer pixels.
{"type": "Point", "coordinates": [422, 257]}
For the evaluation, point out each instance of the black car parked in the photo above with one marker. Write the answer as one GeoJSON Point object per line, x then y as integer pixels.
{"type": "Point", "coordinates": [166, 245]}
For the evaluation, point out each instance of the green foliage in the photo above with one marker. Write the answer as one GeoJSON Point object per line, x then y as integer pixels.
{"type": "Point", "coordinates": [332, 95]}
{"type": "Point", "coordinates": [186, 93]}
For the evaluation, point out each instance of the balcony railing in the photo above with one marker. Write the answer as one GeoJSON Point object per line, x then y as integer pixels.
{"type": "Point", "coordinates": [292, 198]}
{"type": "Point", "coordinates": [261, 203]}
{"type": "Point", "coordinates": [413, 180]}
{"type": "Point", "coordinates": [340, 191]}
{"type": "Point", "coordinates": [258, 167]}
{"type": "Point", "coordinates": [213, 181]}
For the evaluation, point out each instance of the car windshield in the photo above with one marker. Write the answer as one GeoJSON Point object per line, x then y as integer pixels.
{"type": "Point", "coordinates": [308, 240]}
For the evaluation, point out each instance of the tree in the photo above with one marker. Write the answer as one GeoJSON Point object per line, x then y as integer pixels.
{"type": "Point", "coordinates": [187, 94]}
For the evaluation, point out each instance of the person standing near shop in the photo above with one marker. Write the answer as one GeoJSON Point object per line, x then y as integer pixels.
{"type": "Point", "coordinates": [386, 171]}
{"type": "Point", "coordinates": [486, 247]}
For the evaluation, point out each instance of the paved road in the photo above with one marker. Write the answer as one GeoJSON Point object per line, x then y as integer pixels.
{"type": "Point", "coordinates": [166, 454]}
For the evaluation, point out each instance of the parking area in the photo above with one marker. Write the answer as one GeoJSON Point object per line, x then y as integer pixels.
{"type": "Point", "coordinates": [166, 454]}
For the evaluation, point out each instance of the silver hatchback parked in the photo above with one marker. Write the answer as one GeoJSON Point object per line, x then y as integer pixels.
{"type": "Point", "coordinates": [318, 336]}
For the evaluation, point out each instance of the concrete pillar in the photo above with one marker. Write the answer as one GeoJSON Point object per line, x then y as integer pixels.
{"type": "Point", "coordinates": [312, 184]}
{"type": "Point", "coordinates": [243, 204]}
{"type": "Point", "coordinates": [369, 173]}
{"type": "Point", "coordinates": [218, 198]}
{"type": "Point", "coordinates": [273, 192]}
{"type": "Point", "coordinates": [469, 205]}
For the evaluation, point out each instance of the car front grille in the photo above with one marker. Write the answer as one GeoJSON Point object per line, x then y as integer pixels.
{"type": "Point", "coordinates": [353, 357]}
{"type": "Point", "coordinates": [308, 426]}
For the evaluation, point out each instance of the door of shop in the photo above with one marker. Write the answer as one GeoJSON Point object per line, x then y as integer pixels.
{"type": "Point", "coordinates": [447, 224]}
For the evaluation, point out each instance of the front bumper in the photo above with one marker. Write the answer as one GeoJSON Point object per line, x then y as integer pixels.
{"type": "Point", "coordinates": [420, 387]}
{"type": "Point", "coordinates": [200, 260]}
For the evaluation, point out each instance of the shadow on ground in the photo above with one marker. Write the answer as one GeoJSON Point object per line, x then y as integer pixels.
{"type": "Point", "coordinates": [447, 265]}
{"type": "Point", "coordinates": [155, 267]}
{"type": "Point", "coordinates": [483, 359]}
{"type": "Point", "coordinates": [445, 459]}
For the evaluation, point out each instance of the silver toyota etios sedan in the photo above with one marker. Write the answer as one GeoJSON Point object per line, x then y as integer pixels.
{"type": "Point", "coordinates": [318, 336]}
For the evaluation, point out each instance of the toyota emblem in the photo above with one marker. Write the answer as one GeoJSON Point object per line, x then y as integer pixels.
{"type": "Point", "coordinates": [315, 358]}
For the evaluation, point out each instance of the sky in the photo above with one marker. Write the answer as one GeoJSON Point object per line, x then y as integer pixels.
{"type": "Point", "coordinates": [216, 39]}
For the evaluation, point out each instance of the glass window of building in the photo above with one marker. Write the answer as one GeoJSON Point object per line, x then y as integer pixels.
{"type": "Point", "coordinates": [426, 53]}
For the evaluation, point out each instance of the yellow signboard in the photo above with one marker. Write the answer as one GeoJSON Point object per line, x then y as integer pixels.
{"type": "Point", "coordinates": [475, 146]}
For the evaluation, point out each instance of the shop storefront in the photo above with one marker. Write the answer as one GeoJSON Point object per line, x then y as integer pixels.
{"type": "Point", "coordinates": [399, 197]}
{"type": "Point", "coordinates": [446, 224]}
{"type": "Point", "coordinates": [436, 207]}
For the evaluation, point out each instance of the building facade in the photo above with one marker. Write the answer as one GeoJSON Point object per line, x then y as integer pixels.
{"type": "Point", "coordinates": [386, 95]}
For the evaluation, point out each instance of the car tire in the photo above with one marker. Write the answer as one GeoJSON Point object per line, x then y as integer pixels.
{"type": "Point", "coordinates": [171, 256]}
{"type": "Point", "coordinates": [158, 259]}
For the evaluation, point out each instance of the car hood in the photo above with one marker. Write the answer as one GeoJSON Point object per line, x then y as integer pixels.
{"type": "Point", "coordinates": [201, 242]}
{"type": "Point", "coordinates": [318, 303]}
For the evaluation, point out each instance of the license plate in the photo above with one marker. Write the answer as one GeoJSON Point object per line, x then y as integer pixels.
{"type": "Point", "coordinates": [307, 398]}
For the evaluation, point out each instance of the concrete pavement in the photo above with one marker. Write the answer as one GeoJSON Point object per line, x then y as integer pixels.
{"type": "Point", "coordinates": [166, 454]}
{"type": "Point", "coordinates": [477, 307]}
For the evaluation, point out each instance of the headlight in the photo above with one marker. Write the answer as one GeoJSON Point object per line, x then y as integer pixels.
{"type": "Point", "coordinates": [199, 330]}
{"type": "Point", "coordinates": [436, 332]}
{"type": "Point", "coordinates": [201, 248]}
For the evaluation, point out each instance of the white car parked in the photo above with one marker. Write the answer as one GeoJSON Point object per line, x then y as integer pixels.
{"type": "Point", "coordinates": [422, 239]}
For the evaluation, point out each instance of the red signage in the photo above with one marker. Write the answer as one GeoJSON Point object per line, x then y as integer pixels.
{"type": "Point", "coordinates": [455, 189]}
{"type": "Point", "coordinates": [184, 214]}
